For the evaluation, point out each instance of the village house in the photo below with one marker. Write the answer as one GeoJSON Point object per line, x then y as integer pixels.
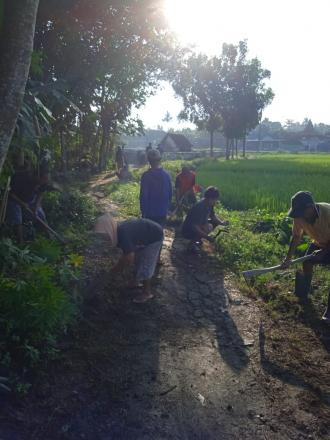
{"type": "Point", "coordinates": [175, 143]}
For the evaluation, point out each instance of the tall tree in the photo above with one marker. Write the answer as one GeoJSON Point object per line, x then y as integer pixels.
{"type": "Point", "coordinates": [244, 93]}
{"type": "Point", "coordinates": [109, 53]}
{"type": "Point", "coordinates": [198, 83]}
{"type": "Point", "coordinates": [17, 33]}
{"type": "Point", "coordinates": [226, 92]}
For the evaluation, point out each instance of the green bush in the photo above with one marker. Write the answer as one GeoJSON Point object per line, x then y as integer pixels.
{"type": "Point", "coordinates": [46, 249]}
{"type": "Point", "coordinates": [70, 208]}
{"type": "Point", "coordinates": [34, 306]}
{"type": "Point", "coordinates": [243, 249]}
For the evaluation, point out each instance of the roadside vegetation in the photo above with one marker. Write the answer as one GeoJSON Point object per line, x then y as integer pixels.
{"type": "Point", "coordinates": [39, 289]}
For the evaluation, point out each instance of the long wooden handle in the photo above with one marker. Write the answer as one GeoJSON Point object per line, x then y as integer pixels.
{"type": "Point", "coordinates": [44, 224]}
{"type": "Point", "coordinates": [256, 272]}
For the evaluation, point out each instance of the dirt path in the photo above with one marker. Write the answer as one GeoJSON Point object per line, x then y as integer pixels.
{"type": "Point", "coordinates": [194, 363]}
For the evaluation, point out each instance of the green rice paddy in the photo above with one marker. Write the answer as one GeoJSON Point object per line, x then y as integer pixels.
{"type": "Point", "coordinates": [269, 181]}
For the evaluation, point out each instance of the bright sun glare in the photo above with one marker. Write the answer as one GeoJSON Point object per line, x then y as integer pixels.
{"type": "Point", "coordinates": [205, 23]}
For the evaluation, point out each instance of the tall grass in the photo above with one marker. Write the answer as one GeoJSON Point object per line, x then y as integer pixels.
{"type": "Point", "coordinates": [267, 182]}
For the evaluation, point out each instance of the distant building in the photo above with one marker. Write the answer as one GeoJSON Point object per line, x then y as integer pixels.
{"type": "Point", "coordinates": [172, 143]}
{"type": "Point", "coordinates": [267, 143]}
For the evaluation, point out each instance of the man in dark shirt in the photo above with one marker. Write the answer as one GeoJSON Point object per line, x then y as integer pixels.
{"type": "Point", "coordinates": [29, 188]}
{"type": "Point", "coordinates": [156, 190]}
{"type": "Point", "coordinates": [201, 219]}
{"type": "Point", "coordinates": [141, 241]}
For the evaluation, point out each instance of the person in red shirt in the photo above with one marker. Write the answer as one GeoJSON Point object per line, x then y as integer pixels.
{"type": "Point", "coordinates": [184, 186]}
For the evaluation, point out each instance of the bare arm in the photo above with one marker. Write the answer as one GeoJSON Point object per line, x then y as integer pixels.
{"type": "Point", "coordinates": [218, 222]}
{"type": "Point", "coordinates": [295, 240]}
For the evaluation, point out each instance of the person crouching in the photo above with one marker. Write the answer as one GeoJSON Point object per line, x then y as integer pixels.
{"type": "Point", "coordinates": [201, 219]}
{"type": "Point", "coordinates": [141, 241]}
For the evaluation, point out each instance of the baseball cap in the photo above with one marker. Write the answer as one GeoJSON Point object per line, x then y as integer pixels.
{"type": "Point", "coordinates": [299, 202]}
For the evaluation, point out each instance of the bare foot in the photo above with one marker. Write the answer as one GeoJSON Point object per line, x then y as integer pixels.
{"type": "Point", "coordinates": [144, 297]}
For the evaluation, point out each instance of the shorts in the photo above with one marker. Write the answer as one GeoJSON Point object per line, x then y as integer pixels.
{"type": "Point", "coordinates": [146, 260]}
{"type": "Point", "coordinates": [324, 260]}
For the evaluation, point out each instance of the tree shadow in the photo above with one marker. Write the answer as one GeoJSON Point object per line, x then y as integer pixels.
{"type": "Point", "coordinates": [209, 302]}
{"type": "Point", "coordinates": [284, 374]}
{"type": "Point", "coordinates": [104, 382]}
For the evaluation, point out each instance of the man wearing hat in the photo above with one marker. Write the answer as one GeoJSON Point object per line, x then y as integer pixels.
{"type": "Point", "coordinates": [312, 219]}
{"type": "Point", "coordinates": [156, 190]}
{"type": "Point", "coordinates": [140, 241]}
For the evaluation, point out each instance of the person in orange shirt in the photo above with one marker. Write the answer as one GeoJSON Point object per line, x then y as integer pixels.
{"type": "Point", "coordinates": [312, 219]}
{"type": "Point", "coordinates": [184, 186]}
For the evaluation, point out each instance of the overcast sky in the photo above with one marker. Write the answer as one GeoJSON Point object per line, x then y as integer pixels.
{"type": "Point", "coordinates": [290, 37]}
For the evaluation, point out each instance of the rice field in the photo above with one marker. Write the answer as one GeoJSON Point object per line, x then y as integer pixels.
{"type": "Point", "coordinates": [269, 181]}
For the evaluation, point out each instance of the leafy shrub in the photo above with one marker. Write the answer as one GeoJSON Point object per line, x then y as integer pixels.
{"type": "Point", "coordinates": [47, 249]}
{"type": "Point", "coordinates": [13, 258]}
{"type": "Point", "coordinates": [69, 208]}
{"type": "Point", "coordinates": [34, 307]}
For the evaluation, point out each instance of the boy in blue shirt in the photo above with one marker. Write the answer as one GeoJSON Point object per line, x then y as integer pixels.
{"type": "Point", "coordinates": [156, 190]}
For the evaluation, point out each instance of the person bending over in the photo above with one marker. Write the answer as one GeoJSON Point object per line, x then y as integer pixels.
{"type": "Point", "coordinates": [312, 219]}
{"type": "Point", "coordinates": [201, 219]}
{"type": "Point", "coordinates": [141, 241]}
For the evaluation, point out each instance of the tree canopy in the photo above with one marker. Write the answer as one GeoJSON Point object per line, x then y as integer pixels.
{"type": "Point", "coordinates": [227, 92]}
{"type": "Point", "coordinates": [94, 60]}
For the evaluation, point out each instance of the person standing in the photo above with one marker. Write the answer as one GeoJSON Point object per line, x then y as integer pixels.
{"type": "Point", "coordinates": [119, 159]}
{"type": "Point", "coordinates": [312, 219]}
{"type": "Point", "coordinates": [29, 188]}
{"type": "Point", "coordinates": [156, 190]}
{"type": "Point", "coordinates": [184, 186]}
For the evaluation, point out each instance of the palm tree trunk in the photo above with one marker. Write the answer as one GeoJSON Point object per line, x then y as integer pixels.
{"type": "Point", "coordinates": [16, 38]}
